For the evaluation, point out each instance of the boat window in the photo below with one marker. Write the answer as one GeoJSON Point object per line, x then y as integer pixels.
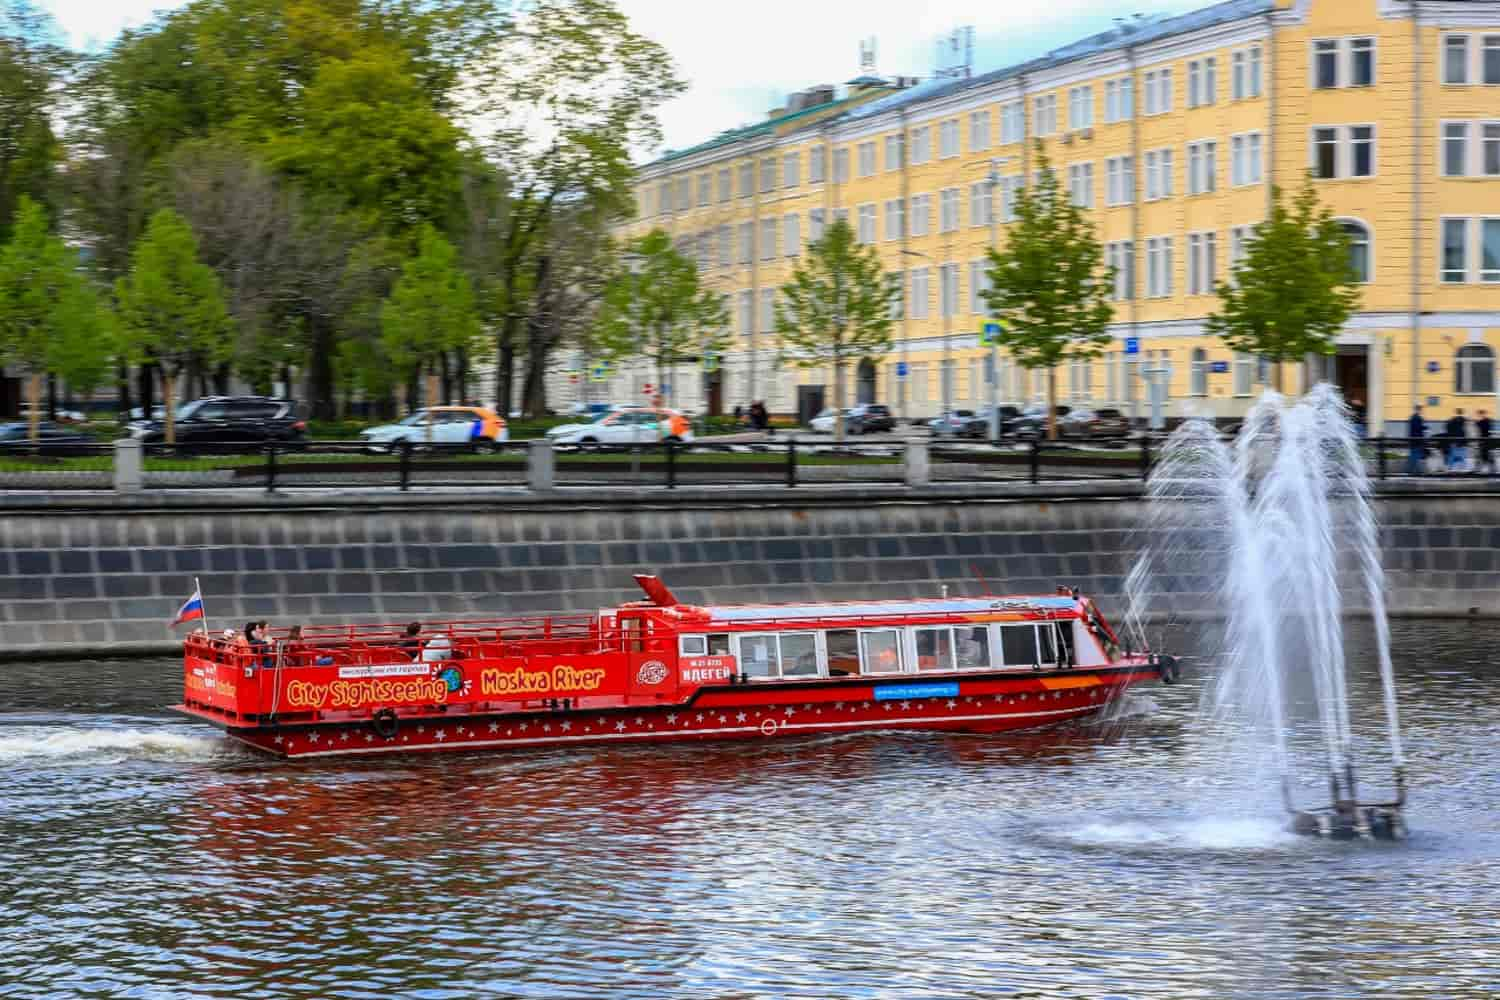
{"type": "Point", "coordinates": [973, 647]}
{"type": "Point", "coordinates": [934, 648]}
{"type": "Point", "coordinates": [718, 644]}
{"type": "Point", "coordinates": [880, 651]}
{"type": "Point", "coordinates": [635, 634]}
{"type": "Point", "coordinates": [694, 645]}
{"type": "Point", "coordinates": [843, 652]}
{"type": "Point", "coordinates": [1065, 643]}
{"type": "Point", "coordinates": [799, 654]}
{"type": "Point", "coordinates": [1018, 645]}
{"type": "Point", "coordinates": [758, 656]}
{"type": "Point", "coordinates": [1046, 639]}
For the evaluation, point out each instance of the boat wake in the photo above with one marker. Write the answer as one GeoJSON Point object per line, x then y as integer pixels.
{"type": "Point", "coordinates": [87, 745]}
{"type": "Point", "coordinates": [1199, 834]}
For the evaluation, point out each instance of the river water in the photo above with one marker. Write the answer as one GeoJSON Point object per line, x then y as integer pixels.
{"type": "Point", "coordinates": [142, 856]}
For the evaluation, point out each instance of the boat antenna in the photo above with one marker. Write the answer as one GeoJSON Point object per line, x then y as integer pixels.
{"type": "Point", "coordinates": [984, 585]}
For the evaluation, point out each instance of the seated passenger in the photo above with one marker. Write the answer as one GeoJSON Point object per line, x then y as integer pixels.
{"type": "Point", "coordinates": [412, 644]}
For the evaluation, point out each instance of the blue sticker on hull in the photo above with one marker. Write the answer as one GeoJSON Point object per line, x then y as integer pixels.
{"type": "Point", "coordinates": [905, 692]}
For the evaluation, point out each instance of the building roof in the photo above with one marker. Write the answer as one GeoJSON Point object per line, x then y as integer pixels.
{"type": "Point", "coordinates": [1135, 32]}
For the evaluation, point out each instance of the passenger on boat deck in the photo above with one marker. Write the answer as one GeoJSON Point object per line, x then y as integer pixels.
{"type": "Point", "coordinates": [438, 649]}
{"type": "Point", "coordinates": [254, 639]}
{"type": "Point", "coordinates": [294, 650]}
{"type": "Point", "coordinates": [412, 644]}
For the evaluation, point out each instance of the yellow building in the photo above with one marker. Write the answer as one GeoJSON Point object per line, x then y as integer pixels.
{"type": "Point", "coordinates": [1171, 131]}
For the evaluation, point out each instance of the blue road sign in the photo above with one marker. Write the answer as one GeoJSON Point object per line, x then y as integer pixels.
{"type": "Point", "coordinates": [991, 333]}
{"type": "Point", "coordinates": [1433, 367]}
{"type": "Point", "coordinates": [1132, 345]}
{"type": "Point", "coordinates": [1219, 367]}
{"type": "Point", "coordinates": [901, 369]}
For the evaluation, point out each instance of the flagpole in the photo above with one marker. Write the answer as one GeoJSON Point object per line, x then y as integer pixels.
{"type": "Point", "coordinates": [198, 589]}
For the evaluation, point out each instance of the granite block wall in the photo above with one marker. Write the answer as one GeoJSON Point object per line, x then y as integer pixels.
{"type": "Point", "coordinates": [111, 579]}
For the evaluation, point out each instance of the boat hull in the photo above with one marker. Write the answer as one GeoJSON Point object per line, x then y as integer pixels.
{"type": "Point", "coordinates": [753, 712]}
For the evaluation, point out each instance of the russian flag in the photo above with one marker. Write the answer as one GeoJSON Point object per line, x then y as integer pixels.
{"type": "Point", "coordinates": [191, 610]}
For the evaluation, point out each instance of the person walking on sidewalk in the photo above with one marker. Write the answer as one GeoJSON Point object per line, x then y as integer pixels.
{"type": "Point", "coordinates": [1416, 433]}
{"type": "Point", "coordinates": [1486, 449]}
{"type": "Point", "coordinates": [1457, 433]}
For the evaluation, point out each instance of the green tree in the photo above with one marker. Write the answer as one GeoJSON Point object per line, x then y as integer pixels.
{"type": "Point", "coordinates": [1049, 284]}
{"type": "Point", "coordinates": [656, 309]}
{"type": "Point", "coordinates": [1294, 288]}
{"type": "Point", "coordinates": [837, 306]}
{"type": "Point", "coordinates": [430, 312]}
{"type": "Point", "coordinates": [32, 65]}
{"type": "Point", "coordinates": [51, 319]}
{"type": "Point", "coordinates": [171, 307]}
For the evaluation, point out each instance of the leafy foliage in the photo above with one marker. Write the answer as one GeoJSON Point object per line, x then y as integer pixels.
{"type": "Point", "coordinates": [657, 309]}
{"type": "Point", "coordinates": [431, 309]}
{"type": "Point", "coordinates": [1294, 288]}
{"type": "Point", "coordinates": [51, 319]}
{"type": "Point", "coordinates": [836, 306]}
{"type": "Point", "coordinates": [1049, 284]}
{"type": "Point", "coordinates": [31, 68]}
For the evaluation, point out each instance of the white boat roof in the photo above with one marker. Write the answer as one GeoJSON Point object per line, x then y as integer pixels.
{"type": "Point", "coordinates": [868, 609]}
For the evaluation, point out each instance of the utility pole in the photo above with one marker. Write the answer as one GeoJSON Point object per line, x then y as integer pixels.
{"type": "Point", "coordinates": [994, 179]}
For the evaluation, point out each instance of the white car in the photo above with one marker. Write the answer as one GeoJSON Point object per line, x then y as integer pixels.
{"type": "Point", "coordinates": [627, 426]}
{"type": "Point", "coordinates": [442, 426]}
{"type": "Point", "coordinates": [823, 423]}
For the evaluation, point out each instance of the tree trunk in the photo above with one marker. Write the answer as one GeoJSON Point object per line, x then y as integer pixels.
{"type": "Point", "coordinates": [461, 364]}
{"type": "Point", "coordinates": [1052, 403]}
{"type": "Point", "coordinates": [221, 379]}
{"type": "Point", "coordinates": [432, 390]}
{"type": "Point", "coordinates": [1276, 377]}
{"type": "Point", "coordinates": [505, 367]}
{"type": "Point", "coordinates": [447, 379]}
{"type": "Point", "coordinates": [51, 397]}
{"type": "Point", "coordinates": [320, 377]}
{"type": "Point", "coordinates": [34, 398]}
{"type": "Point", "coordinates": [169, 401]}
{"type": "Point", "coordinates": [146, 386]}
{"type": "Point", "coordinates": [838, 396]}
{"type": "Point", "coordinates": [122, 391]}
{"type": "Point", "coordinates": [536, 387]}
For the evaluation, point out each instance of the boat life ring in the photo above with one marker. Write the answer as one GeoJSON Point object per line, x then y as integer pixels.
{"type": "Point", "coordinates": [384, 723]}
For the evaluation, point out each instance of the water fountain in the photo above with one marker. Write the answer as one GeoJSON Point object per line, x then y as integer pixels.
{"type": "Point", "coordinates": [1268, 537]}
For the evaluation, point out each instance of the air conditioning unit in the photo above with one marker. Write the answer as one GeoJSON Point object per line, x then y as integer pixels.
{"type": "Point", "coordinates": [1066, 139]}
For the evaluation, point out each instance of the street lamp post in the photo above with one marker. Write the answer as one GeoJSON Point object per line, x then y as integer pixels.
{"type": "Point", "coordinates": [994, 179]}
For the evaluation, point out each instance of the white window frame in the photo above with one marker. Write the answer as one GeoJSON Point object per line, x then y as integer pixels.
{"type": "Point", "coordinates": [791, 170]}
{"type": "Point", "coordinates": [1081, 107]}
{"type": "Point", "coordinates": [1487, 41]}
{"type": "Point", "coordinates": [1119, 178]}
{"type": "Point", "coordinates": [1369, 237]}
{"type": "Point", "coordinates": [1244, 367]}
{"type": "Point", "coordinates": [816, 226]}
{"type": "Point", "coordinates": [1158, 91]}
{"type": "Point", "coordinates": [1081, 182]}
{"type": "Point", "coordinates": [1012, 122]}
{"type": "Point", "coordinates": [981, 208]}
{"type": "Point", "coordinates": [920, 146]}
{"type": "Point", "coordinates": [1203, 166]}
{"type": "Point", "coordinates": [768, 238]}
{"type": "Point", "coordinates": [893, 152]}
{"type": "Point", "coordinates": [1468, 61]}
{"type": "Point", "coordinates": [979, 131]}
{"type": "Point", "coordinates": [919, 217]}
{"type": "Point", "coordinates": [950, 209]}
{"type": "Point", "coordinates": [1044, 115]}
{"type": "Point", "coordinates": [1246, 165]}
{"type": "Point", "coordinates": [866, 222]}
{"type": "Point", "coordinates": [841, 166]}
{"type": "Point", "coordinates": [979, 283]}
{"type": "Point", "coordinates": [791, 234]}
{"type": "Point", "coordinates": [866, 158]}
{"type": "Point", "coordinates": [1198, 369]}
{"type": "Point", "coordinates": [1160, 267]}
{"type": "Point", "coordinates": [1463, 370]}
{"type": "Point", "coordinates": [1466, 272]}
{"type": "Point", "coordinates": [1474, 271]}
{"type": "Point", "coordinates": [895, 219]}
{"type": "Point", "coordinates": [949, 278]}
{"type": "Point", "coordinates": [948, 139]}
{"type": "Point", "coordinates": [919, 304]}
{"type": "Point", "coordinates": [1203, 262]}
{"type": "Point", "coordinates": [816, 164]}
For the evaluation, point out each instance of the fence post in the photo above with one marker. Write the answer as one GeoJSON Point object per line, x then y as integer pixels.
{"type": "Point", "coordinates": [791, 462]}
{"type": "Point", "coordinates": [1036, 461]}
{"type": "Point", "coordinates": [1145, 456]}
{"type": "Point", "coordinates": [405, 462]}
{"type": "Point", "coordinates": [541, 466]}
{"type": "Point", "coordinates": [270, 466]}
{"type": "Point", "coordinates": [129, 477]}
{"type": "Point", "coordinates": [671, 465]}
{"type": "Point", "coordinates": [917, 460]}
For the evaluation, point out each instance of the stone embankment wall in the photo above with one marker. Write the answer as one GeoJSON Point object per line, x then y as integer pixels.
{"type": "Point", "coordinates": [110, 578]}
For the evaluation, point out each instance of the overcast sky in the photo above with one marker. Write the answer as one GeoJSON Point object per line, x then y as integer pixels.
{"type": "Point", "coordinates": [742, 59]}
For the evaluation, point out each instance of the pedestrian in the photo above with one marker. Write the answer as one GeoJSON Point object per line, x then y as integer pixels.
{"type": "Point", "coordinates": [1482, 428]}
{"type": "Point", "coordinates": [739, 415]}
{"type": "Point", "coordinates": [1457, 433]}
{"type": "Point", "coordinates": [1416, 442]}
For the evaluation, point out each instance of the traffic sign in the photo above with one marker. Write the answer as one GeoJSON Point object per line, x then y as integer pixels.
{"type": "Point", "coordinates": [599, 373]}
{"type": "Point", "coordinates": [1433, 367]}
{"type": "Point", "coordinates": [1218, 367]}
{"type": "Point", "coordinates": [710, 363]}
{"type": "Point", "coordinates": [1132, 345]}
{"type": "Point", "coordinates": [901, 369]}
{"type": "Point", "coordinates": [991, 333]}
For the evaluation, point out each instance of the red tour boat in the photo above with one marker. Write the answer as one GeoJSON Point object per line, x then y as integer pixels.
{"type": "Point", "coordinates": [657, 670]}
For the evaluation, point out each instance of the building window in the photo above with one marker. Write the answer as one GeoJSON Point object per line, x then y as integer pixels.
{"type": "Point", "coordinates": [1244, 374]}
{"type": "Point", "coordinates": [1326, 63]}
{"type": "Point", "coordinates": [1489, 160]}
{"type": "Point", "coordinates": [815, 164]}
{"type": "Point", "coordinates": [1012, 122]}
{"type": "Point", "coordinates": [893, 152]}
{"type": "Point", "coordinates": [1456, 59]}
{"type": "Point", "coordinates": [948, 139]}
{"type": "Point", "coordinates": [1239, 244]}
{"type": "Point", "coordinates": [1081, 107]}
{"type": "Point", "coordinates": [980, 210]}
{"type": "Point", "coordinates": [1203, 253]}
{"type": "Point", "coordinates": [921, 145]}
{"type": "Point", "coordinates": [1359, 249]}
{"type": "Point", "coordinates": [726, 185]}
{"type": "Point", "coordinates": [1455, 149]}
{"type": "Point", "coordinates": [1119, 100]}
{"type": "Point", "coordinates": [921, 215]}
{"type": "Point", "coordinates": [897, 285]}
{"type": "Point", "coordinates": [1009, 186]}
{"type": "Point", "coordinates": [815, 227]}
{"type": "Point", "coordinates": [1202, 166]}
{"type": "Point", "coordinates": [768, 239]}
{"type": "Point", "coordinates": [1119, 180]}
{"type": "Point", "coordinates": [1159, 267]}
{"type": "Point", "coordinates": [1203, 81]}
{"type": "Point", "coordinates": [979, 131]}
{"type": "Point", "coordinates": [1490, 60]}
{"type": "Point", "coordinates": [791, 170]}
{"type": "Point", "coordinates": [792, 235]}
{"type": "Point", "coordinates": [866, 217]}
{"type": "Point", "coordinates": [1244, 159]}
{"type": "Point", "coordinates": [919, 304]}
{"type": "Point", "coordinates": [1158, 91]}
{"type": "Point", "coordinates": [979, 283]}
{"type": "Point", "coordinates": [1080, 380]}
{"type": "Point", "coordinates": [1361, 150]}
{"type": "Point", "coordinates": [841, 165]}
{"type": "Point", "coordinates": [948, 288]}
{"type": "Point", "coordinates": [767, 175]}
{"type": "Point", "coordinates": [1456, 258]}
{"type": "Point", "coordinates": [1474, 370]}
{"type": "Point", "coordinates": [1455, 267]}
{"type": "Point", "coordinates": [1246, 73]}
{"type": "Point", "coordinates": [1159, 174]}
{"type": "Point", "coordinates": [747, 242]}
{"type": "Point", "coordinates": [1361, 62]}
{"type": "Point", "coordinates": [1120, 256]}
{"type": "Point", "coordinates": [1081, 184]}
{"type": "Point", "coordinates": [895, 219]}
{"type": "Point", "coordinates": [866, 152]}
{"type": "Point", "coordinates": [705, 189]}
{"type": "Point", "coordinates": [1358, 161]}
{"type": "Point", "coordinates": [684, 194]}
{"type": "Point", "coordinates": [1044, 114]}
{"type": "Point", "coordinates": [1198, 373]}
{"type": "Point", "coordinates": [948, 210]}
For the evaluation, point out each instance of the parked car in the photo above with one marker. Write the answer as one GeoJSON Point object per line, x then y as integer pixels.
{"type": "Point", "coordinates": [1031, 425]}
{"type": "Point", "coordinates": [633, 425]}
{"type": "Point", "coordinates": [228, 420]}
{"type": "Point", "coordinates": [823, 423]}
{"type": "Point", "coordinates": [954, 423]}
{"type": "Point", "coordinates": [51, 439]}
{"type": "Point", "coordinates": [1094, 424]}
{"type": "Point", "coordinates": [979, 427]}
{"type": "Point", "coordinates": [871, 418]}
{"type": "Point", "coordinates": [474, 427]}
